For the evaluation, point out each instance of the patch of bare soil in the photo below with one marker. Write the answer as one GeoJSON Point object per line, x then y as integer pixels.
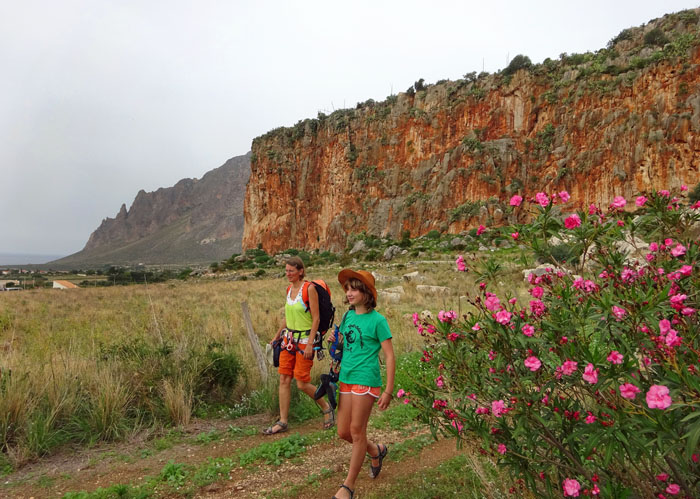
{"type": "Point", "coordinates": [126, 463]}
{"type": "Point", "coordinates": [291, 478]}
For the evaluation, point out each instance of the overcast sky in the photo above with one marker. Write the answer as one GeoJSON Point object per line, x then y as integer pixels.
{"type": "Point", "coordinates": [99, 99]}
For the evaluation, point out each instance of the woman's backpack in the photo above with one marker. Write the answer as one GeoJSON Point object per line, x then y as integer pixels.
{"type": "Point", "coordinates": [326, 310]}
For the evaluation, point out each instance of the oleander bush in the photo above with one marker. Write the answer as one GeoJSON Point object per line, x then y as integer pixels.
{"type": "Point", "coordinates": [591, 386]}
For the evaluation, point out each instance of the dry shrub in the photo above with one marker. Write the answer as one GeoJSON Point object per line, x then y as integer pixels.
{"type": "Point", "coordinates": [18, 399]}
{"type": "Point", "coordinates": [177, 399]}
{"type": "Point", "coordinates": [109, 397]}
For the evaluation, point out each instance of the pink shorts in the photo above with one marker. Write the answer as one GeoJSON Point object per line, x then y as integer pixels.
{"type": "Point", "coordinates": [374, 391]}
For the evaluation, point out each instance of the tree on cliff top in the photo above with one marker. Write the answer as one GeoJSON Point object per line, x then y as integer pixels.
{"type": "Point", "coordinates": [519, 62]}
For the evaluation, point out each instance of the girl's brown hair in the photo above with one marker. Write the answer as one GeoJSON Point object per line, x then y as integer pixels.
{"type": "Point", "coordinates": [360, 286]}
{"type": "Point", "coordinates": [297, 262]}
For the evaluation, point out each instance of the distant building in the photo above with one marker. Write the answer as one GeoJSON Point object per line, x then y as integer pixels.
{"type": "Point", "coordinates": [64, 285]}
{"type": "Point", "coordinates": [12, 282]}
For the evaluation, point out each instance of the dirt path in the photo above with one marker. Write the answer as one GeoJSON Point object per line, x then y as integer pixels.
{"type": "Point", "coordinates": [133, 462]}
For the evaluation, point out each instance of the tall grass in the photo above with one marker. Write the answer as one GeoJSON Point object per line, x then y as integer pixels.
{"type": "Point", "coordinates": [94, 364]}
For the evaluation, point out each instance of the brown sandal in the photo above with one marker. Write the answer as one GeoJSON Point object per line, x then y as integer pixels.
{"type": "Point", "coordinates": [343, 486]}
{"type": "Point", "coordinates": [374, 470]}
{"type": "Point", "coordinates": [271, 431]}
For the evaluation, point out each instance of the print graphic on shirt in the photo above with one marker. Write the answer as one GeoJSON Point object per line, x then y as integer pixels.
{"type": "Point", "coordinates": [351, 334]}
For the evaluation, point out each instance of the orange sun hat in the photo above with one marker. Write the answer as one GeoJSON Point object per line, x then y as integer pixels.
{"type": "Point", "coordinates": [363, 276]}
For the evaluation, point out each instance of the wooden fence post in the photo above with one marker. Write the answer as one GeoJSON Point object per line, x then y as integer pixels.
{"type": "Point", "coordinates": [254, 342]}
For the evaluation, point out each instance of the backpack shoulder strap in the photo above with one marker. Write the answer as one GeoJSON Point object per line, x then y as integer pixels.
{"type": "Point", "coordinates": [305, 294]}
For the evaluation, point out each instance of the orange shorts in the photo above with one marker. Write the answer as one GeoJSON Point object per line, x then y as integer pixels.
{"type": "Point", "coordinates": [374, 391]}
{"type": "Point", "coordinates": [295, 365]}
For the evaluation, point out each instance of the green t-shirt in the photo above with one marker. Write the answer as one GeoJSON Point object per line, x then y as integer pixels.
{"type": "Point", "coordinates": [363, 335]}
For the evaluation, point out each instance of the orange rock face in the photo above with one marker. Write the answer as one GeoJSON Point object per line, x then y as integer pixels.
{"type": "Point", "coordinates": [450, 156]}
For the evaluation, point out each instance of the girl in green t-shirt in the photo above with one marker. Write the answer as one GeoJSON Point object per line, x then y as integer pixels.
{"type": "Point", "coordinates": [365, 332]}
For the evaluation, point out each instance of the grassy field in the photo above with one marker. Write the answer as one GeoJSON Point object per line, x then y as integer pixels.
{"type": "Point", "coordinates": [99, 364]}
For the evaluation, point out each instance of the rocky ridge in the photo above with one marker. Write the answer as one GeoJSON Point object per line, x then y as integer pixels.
{"type": "Point", "coordinates": [194, 221]}
{"type": "Point", "coordinates": [448, 156]}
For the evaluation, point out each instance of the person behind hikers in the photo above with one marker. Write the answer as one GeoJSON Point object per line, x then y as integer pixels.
{"type": "Point", "coordinates": [296, 358]}
{"type": "Point", "coordinates": [365, 332]}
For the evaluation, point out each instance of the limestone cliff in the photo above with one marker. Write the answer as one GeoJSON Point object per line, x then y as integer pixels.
{"type": "Point", "coordinates": [621, 120]}
{"type": "Point", "coordinates": [194, 221]}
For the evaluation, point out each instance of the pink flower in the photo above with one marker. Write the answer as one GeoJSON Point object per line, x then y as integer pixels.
{"type": "Point", "coordinates": [662, 477]}
{"type": "Point", "coordinates": [664, 193]}
{"type": "Point", "coordinates": [516, 200]}
{"type": "Point", "coordinates": [569, 367]}
{"type": "Point", "coordinates": [528, 330]}
{"type": "Point", "coordinates": [492, 303]}
{"type": "Point", "coordinates": [696, 206]}
{"type": "Point", "coordinates": [564, 196]}
{"type": "Point", "coordinates": [572, 221]}
{"type": "Point", "coordinates": [503, 317]}
{"type": "Point", "coordinates": [653, 247]}
{"type": "Point", "coordinates": [498, 408]}
{"type": "Point", "coordinates": [686, 270]}
{"type": "Point", "coordinates": [461, 266]}
{"type": "Point", "coordinates": [684, 187]}
{"type": "Point", "coordinates": [673, 489]}
{"type": "Point", "coordinates": [515, 235]}
{"type": "Point", "coordinates": [533, 363]}
{"type": "Point", "coordinates": [658, 397]}
{"type": "Point", "coordinates": [618, 312]}
{"type": "Point", "coordinates": [542, 199]}
{"type": "Point", "coordinates": [502, 448]}
{"type": "Point", "coordinates": [618, 202]}
{"type": "Point", "coordinates": [620, 223]}
{"type": "Point", "coordinates": [537, 307]}
{"type": "Point", "coordinates": [615, 357]}
{"type": "Point", "coordinates": [595, 490]}
{"type": "Point", "coordinates": [672, 338]}
{"type": "Point", "coordinates": [640, 201]}
{"type": "Point", "coordinates": [590, 419]}
{"type": "Point", "coordinates": [590, 374]}
{"type": "Point", "coordinates": [679, 250]}
{"type": "Point", "coordinates": [447, 317]}
{"type": "Point", "coordinates": [416, 318]}
{"type": "Point", "coordinates": [664, 326]}
{"type": "Point", "coordinates": [476, 327]}
{"type": "Point", "coordinates": [592, 209]}
{"type": "Point", "coordinates": [440, 381]}
{"type": "Point", "coordinates": [571, 487]}
{"type": "Point", "coordinates": [458, 425]}
{"type": "Point", "coordinates": [401, 393]}
{"type": "Point", "coordinates": [537, 292]}
{"type": "Point", "coordinates": [688, 311]}
{"type": "Point", "coordinates": [480, 230]}
{"type": "Point", "coordinates": [628, 391]}
{"type": "Point", "coordinates": [482, 410]}
{"type": "Point", "coordinates": [439, 403]}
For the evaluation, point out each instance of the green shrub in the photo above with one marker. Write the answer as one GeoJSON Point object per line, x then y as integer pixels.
{"type": "Point", "coordinates": [519, 62]}
{"type": "Point", "coordinates": [656, 37]}
{"type": "Point", "coordinates": [694, 195]}
{"type": "Point", "coordinates": [592, 380]}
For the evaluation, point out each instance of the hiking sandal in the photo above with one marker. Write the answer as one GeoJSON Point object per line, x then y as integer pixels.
{"type": "Point", "coordinates": [374, 470]}
{"type": "Point", "coordinates": [343, 486]}
{"type": "Point", "coordinates": [271, 431]}
{"type": "Point", "coordinates": [330, 422]}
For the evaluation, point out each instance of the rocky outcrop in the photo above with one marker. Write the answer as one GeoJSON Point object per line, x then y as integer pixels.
{"type": "Point", "coordinates": [448, 156]}
{"type": "Point", "coordinates": [195, 221]}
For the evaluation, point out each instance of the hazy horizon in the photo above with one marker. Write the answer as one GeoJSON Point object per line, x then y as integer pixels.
{"type": "Point", "coordinates": [7, 259]}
